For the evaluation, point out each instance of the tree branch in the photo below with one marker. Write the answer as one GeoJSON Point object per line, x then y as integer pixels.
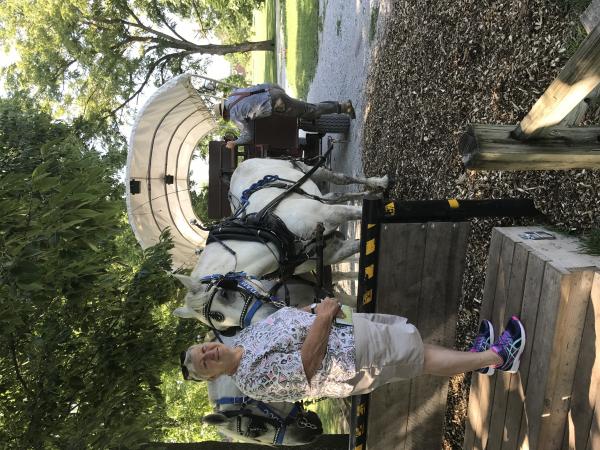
{"type": "Point", "coordinates": [166, 22]}
{"type": "Point", "coordinates": [149, 74]}
{"type": "Point", "coordinates": [13, 352]}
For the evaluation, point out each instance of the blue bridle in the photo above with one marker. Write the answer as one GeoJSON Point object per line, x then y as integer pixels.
{"type": "Point", "coordinates": [255, 297]}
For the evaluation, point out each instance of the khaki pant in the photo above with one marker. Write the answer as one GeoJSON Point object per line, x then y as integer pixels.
{"type": "Point", "coordinates": [388, 349]}
{"type": "Point", "coordinates": [284, 105]}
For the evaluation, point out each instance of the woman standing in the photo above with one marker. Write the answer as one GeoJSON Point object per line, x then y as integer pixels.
{"type": "Point", "coordinates": [293, 354]}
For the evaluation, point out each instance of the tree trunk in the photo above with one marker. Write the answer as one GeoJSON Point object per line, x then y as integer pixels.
{"type": "Point", "coordinates": [240, 47]}
{"type": "Point", "coordinates": [324, 442]}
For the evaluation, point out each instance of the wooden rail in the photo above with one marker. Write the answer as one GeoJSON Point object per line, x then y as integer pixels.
{"type": "Point", "coordinates": [492, 147]}
{"type": "Point", "coordinates": [580, 75]}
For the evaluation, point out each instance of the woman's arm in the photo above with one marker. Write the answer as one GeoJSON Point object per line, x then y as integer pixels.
{"type": "Point", "coordinates": [314, 347]}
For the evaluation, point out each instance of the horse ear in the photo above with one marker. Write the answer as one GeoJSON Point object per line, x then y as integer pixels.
{"type": "Point", "coordinates": [184, 312]}
{"type": "Point", "coordinates": [214, 419]}
{"type": "Point", "coordinates": [190, 284]}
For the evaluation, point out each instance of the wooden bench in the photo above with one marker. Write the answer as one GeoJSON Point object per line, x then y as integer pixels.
{"type": "Point", "coordinates": [554, 400]}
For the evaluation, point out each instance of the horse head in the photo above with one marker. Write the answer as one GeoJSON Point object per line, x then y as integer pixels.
{"type": "Point", "coordinates": [219, 306]}
{"type": "Point", "coordinates": [236, 416]}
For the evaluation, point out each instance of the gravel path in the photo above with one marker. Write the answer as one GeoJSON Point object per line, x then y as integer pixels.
{"type": "Point", "coordinates": [344, 58]}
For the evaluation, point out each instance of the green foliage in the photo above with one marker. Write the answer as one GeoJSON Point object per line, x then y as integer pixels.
{"type": "Point", "coordinates": [186, 403]}
{"type": "Point", "coordinates": [591, 242]}
{"type": "Point", "coordinates": [302, 19]}
{"type": "Point", "coordinates": [576, 6]}
{"type": "Point", "coordinates": [98, 56]}
{"type": "Point", "coordinates": [82, 308]}
{"type": "Point", "coordinates": [200, 204]}
{"type": "Point", "coordinates": [373, 24]}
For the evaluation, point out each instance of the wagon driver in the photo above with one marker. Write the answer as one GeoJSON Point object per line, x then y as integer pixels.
{"type": "Point", "coordinates": [263, 100]}
{"type": "Point", "coordinates": [294, 354]}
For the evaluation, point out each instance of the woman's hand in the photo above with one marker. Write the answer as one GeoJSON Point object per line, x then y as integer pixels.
{"type": "Point", "coordinates": [330, 307]}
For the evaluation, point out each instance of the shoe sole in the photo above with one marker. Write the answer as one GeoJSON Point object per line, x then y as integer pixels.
{"type": "Point", "coordinates": [491, 370]}
{"type": "Point", "coordinates": [514, 368]}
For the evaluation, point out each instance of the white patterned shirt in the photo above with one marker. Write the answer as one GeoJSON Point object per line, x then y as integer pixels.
{"type": "Point", "coordinates": [271, 367]}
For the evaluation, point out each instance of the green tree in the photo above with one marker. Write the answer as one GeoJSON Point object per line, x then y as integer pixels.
{"type": "Point", "coordinates": [100, 55]}
{"type": "Point", "coordinates": [84, 313]}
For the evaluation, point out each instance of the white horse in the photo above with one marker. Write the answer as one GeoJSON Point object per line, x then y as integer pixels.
{"type": "Point", "coordinates": [237, 416]}
{"type": "Point", "coordinates": [300, 212]}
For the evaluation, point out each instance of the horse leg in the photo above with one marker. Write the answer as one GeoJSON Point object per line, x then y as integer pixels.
{"type": "Point", "coordinates": [345, 299]}
{"type": "Point", "coordinates": [342, 197]}
{"type": "Point", "coordinates": [326, 175]}
{"type": "Point", "coordinates": [341, 251]}
{"type": "Point", "coordinates": [337, 276]}
{"type": "Point", "coordinates": [335, 215]}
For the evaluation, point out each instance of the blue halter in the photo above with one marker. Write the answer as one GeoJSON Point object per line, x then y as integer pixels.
{"type": "Point", "coordinates": [255, 297]}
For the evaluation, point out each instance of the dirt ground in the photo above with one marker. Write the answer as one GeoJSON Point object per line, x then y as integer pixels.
{"type": "Point", "coordinates": [441, 65]}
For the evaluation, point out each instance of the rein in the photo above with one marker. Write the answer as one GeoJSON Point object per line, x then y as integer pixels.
{"type": "Point", "coordinates": [277, 200]}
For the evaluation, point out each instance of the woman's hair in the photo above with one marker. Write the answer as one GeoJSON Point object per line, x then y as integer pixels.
{"type": "Point", "coordinates": [187, 368]}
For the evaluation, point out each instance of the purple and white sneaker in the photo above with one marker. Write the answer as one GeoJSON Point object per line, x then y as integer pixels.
{"type": "Point", "coordinates": [483, 342]}
{"type": "Point", "coordinates": [510, 345]}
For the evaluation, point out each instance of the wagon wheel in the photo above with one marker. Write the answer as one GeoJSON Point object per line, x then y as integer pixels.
{"type": "Point", "coordinates": [328, 123]}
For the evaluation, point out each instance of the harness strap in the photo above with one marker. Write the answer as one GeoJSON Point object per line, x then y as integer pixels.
{"type": "Point", "coordinates": [273, 203]}
{"type": "Point", "coordinates": [250, 314]}
{"type": "Point", "coordinates": [233, 400]}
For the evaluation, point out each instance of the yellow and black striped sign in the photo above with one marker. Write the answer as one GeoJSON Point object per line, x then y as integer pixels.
{"type": "Point", "coordinates": [367, 290]}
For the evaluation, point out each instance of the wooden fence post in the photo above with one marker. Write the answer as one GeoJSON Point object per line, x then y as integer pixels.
{"type": "Point", "coordinates": [491, 147]}
{"type": "Point", "coordinates": [580, 75]}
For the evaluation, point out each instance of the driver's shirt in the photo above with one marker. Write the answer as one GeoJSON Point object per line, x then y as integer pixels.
{"type": "Point", "coordinates": [271, 368]}
{"type": "Point", "coordinates": [243, 112]}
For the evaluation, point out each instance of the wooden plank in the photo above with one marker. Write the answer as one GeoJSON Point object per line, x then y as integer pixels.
{"type": "Point", "coordinates": [594, 437]}
{"type": "Point", "coordinates": [428, 393]}
{"type": "Point", "coordinates": [586, 379]}
{"type": "Point", "coordinates": [518, 383]}
{"type": "Point", "coordinates": [497, 433]}
{"type": "Point", "coordinates": [487, 384]}
{"type": "Point", "coordinates": [454, 278]}
{"type": "Point", "coordinates": [565, 349]}
{"type": "Point", "coordinates": [399, 283]}
{"type": "Point", "coordinates": [554, 291]}
{"type": "Point", "coordinates": [579, 76]}
{"type": "Point", "coordinates": [564, 252]}
{"type": "Point", "coordinates": [591, 16]}
{"type": "Point", "coordinates": [474, 423]}
{"type": "Point", "coordinates": [491, 147]}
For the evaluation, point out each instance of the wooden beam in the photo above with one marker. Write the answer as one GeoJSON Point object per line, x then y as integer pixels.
{"type": "Point", "coordinates": [580, 75]}
{"type": "Point", "coordinates": [491, 147]}
{"type": "Point", "coordinates": [591, 16]}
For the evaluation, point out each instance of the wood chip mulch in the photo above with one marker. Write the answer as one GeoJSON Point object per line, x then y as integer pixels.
{"type": "Point", "coordinates": [439, 66]}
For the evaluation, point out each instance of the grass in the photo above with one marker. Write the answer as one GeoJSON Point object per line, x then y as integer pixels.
{"type": "Point", "coordinates": [263, 67]}
{"type": "Point", "coordinates": [302, 44]}
{"type": "Point", "coordinates": [373, 24]}
{"type": "Point", "coordinates": [577, 6]}
{"type": "Point", "coordinates": [331, 417]}
{"type": "Point", "coordinates": [591, 242]}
